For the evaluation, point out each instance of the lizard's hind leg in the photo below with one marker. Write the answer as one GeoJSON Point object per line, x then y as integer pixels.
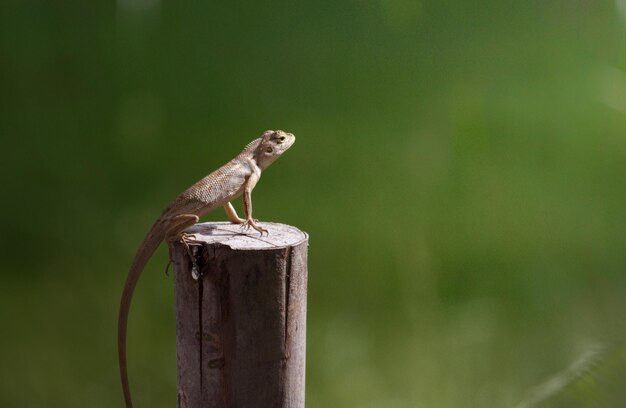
{"type": "Point", "coordinates": [176, 233]}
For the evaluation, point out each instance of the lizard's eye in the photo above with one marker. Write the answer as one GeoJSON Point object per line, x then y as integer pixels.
{"type": "Point", "coordinates": [282, 138]}
{"type": "Point", "coordinates": [269, 150]}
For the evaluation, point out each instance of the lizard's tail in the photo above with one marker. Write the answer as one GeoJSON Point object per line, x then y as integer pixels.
{"type": "Point", "coordinates": [147, 248]}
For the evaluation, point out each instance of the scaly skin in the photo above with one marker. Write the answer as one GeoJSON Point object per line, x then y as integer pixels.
{"type": "Point", "coordinates": [218, 189]}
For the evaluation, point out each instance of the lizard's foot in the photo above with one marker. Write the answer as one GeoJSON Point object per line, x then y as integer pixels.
{"type": "Point", "coordinates": [251, 222]}
{"type": "Point", "coordinates": [189, 240]}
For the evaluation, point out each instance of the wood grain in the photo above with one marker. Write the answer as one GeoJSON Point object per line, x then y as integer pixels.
{"type": "Point", "coordinates": [241, 327]}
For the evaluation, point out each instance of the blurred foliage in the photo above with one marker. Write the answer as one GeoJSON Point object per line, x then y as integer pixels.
{"type": "Point", "coordinates": [460, 167]}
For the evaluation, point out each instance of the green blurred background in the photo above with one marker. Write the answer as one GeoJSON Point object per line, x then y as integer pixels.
{"type": "Point", "coordinates": [460, 168]}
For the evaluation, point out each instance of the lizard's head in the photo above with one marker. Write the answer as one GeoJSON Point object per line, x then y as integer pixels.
{"type": "Point", "coordinates": [273, 144]}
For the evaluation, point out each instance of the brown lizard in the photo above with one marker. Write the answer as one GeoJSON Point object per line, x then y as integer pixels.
{"type": "Point", "coordinates": [218, 189]}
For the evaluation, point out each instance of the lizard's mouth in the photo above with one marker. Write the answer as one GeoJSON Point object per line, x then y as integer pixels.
{"type": "Point", "coordinates": [290, 141]}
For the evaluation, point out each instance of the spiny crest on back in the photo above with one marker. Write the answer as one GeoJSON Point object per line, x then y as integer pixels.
{"type": "Point", "coordinates": [251, 147]}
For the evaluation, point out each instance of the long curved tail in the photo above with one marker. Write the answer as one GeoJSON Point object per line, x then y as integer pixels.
{"type": "Point", "coordinates": [147, 248]}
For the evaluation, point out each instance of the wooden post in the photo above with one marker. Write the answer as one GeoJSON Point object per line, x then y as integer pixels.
{"type": "Point", "coordinates": [241, 327]}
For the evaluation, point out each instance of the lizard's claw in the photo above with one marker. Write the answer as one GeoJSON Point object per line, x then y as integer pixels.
{"type": "Point", "coordinates": [189, 239]}
{"type": "Point", "coordinates": [251, 222]}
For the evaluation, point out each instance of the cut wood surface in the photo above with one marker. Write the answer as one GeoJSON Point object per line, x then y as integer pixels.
{"type": "Point", "coordinates": [241, 327]}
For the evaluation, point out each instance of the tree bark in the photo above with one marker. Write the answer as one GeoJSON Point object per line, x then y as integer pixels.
{"type": "Point", "coordinates": [241, 326]}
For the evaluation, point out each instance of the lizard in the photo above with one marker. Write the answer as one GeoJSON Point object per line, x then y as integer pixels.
{"type": "Point", "coordinates": [236, 178]}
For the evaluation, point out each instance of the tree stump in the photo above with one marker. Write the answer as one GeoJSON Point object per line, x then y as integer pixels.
{"type": "Point", "coordinates": [241, 326]}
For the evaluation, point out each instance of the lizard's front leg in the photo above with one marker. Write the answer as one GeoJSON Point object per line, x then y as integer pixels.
{"type": "Point", "coordinates": [232, 214]}
{"type": "Point", "coordinates": [247, 203]}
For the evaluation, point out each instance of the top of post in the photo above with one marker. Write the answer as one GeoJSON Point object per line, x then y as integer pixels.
{"type": "Point", "coordinates": [238, 238]}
